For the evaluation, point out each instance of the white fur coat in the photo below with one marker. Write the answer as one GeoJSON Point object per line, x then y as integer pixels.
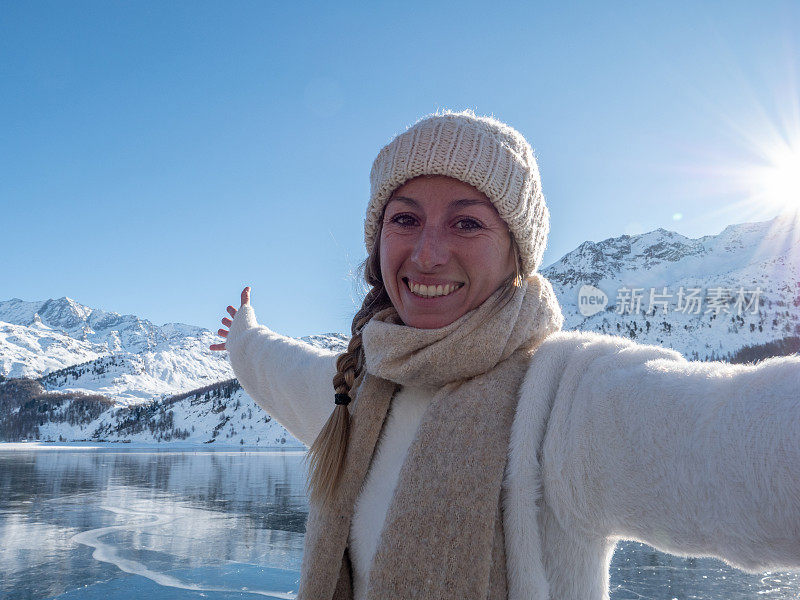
{"type": "Point", "coordinates": [611, 440]}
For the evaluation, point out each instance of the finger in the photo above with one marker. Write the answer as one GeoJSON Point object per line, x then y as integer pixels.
{"type": "Point", "coordinates": [222, 332]}
{"type": "Point", "coordinates": [227, 322]}
{"type": "Point", "coordinates": [246, 295]}
{"type": "Point", "coordinates": [217, 346]}
{"type": "Point", "coordinates": [231, 311]}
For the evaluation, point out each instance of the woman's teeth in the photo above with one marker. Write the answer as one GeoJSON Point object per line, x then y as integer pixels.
{"type": "Point", "coordinates": [432, 291]}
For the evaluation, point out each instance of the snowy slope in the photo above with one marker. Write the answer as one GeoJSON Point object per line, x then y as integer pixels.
{"type": "Point", "coordinates": [68, 350]}
{"type": "Point", "coordinates": [762, 259]}
{"type": "Point", "coordinates": [28, 351]}
{"type": "Point", "coordinates": [124, 358]}
{"type": "Point", "coordinates": [220, 419]}
{"type": "Point", "coordinates": [127, 371]}
{"type": "Point", "coordinates": [41, 337]}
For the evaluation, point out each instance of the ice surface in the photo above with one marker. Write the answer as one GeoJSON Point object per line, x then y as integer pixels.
{"type": "Point", "coordinates": [241, 581]}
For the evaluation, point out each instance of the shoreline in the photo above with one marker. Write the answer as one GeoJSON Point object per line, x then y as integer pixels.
{"type": "Point", "coordinates": [167, 446]}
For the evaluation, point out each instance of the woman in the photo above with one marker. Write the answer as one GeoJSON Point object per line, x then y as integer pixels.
{"type": "Point", "coordinates": [487, 453]}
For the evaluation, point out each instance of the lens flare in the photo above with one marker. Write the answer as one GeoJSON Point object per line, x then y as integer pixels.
{"type": "Point", "coordinates": [780, 181]}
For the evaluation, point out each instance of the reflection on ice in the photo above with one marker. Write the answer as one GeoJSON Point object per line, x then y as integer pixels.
{"type": "Point", "coordinates": [168, 524]}
{"type": "Point", "coordinates": [240, 579]}
{"type": "Point", "coordinates": [108, 553]}
{"type": "Point", "coordinates": [79, 520]}
{"type": "Point", "coordinates": [640, 572]}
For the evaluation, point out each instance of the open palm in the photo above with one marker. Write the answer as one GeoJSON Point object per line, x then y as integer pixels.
{"type": "Point", "coordinates": [227, 322]}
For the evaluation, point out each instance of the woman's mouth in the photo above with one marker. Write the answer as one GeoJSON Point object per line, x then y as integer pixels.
{"type": "Point", "coordinates": [431, 291]}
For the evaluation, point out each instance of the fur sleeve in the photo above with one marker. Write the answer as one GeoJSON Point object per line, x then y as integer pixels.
{"type": "Point", "coordinates": [289, 379]}
{"type": "Point", "coordinates": [693, 458]}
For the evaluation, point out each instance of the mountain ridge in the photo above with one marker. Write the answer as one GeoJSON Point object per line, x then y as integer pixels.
{"type": "Point", "coordinates": [73, 352]}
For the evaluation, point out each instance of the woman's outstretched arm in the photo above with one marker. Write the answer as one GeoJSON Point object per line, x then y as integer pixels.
{"type": "Point", "coordinates": [289, 379]}
{"type": "Point", "coordinates": [693, 458]}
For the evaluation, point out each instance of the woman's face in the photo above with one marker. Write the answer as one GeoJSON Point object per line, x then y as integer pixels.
{"type": "Point", "coordinates": [443, 250]}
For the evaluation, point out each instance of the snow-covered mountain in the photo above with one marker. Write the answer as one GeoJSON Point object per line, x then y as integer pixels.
{"type": "Point", "coordinates": [123, 357]}
{"type": "Point", "coordinates": [40, 337]}
{"type": "Point", "coordinates": [76, 373]}
{"type": "Point", "coordinates": [695, 286]}
{"type": "Point", "coordinates": [221, 413]}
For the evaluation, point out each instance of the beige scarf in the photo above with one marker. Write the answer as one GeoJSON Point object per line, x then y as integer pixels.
{"type": "Point", "coordinates": [443, 536]}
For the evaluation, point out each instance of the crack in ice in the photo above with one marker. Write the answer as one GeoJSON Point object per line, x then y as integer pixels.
{"type": "Point", "coordinates": [107, 553]}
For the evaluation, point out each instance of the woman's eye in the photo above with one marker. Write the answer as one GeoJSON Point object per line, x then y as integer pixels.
{"type": "Point", "coordinates": [403, 220]}
{"type": "Point", "coordinates": [468, 224]}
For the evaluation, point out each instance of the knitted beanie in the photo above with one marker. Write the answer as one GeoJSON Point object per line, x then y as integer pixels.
{"type": "Point", "coordinates": [481, 151]}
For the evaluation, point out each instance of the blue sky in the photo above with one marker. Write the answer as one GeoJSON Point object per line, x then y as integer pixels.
{"type": "Point", "coordinates": [156, 157]}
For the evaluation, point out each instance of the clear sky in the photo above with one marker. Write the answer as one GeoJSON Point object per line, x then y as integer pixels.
{"type": "Point", "coordinates": [155, 157]}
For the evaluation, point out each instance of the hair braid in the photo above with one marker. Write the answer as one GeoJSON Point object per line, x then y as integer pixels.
{"type": "Point", "coordinates": [326, 455]}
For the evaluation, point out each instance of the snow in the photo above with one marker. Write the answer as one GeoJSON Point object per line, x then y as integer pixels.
{"type": "Point", "coordinates": [72, 348]}
{"type": "Point", "coordinates": [749, 255]}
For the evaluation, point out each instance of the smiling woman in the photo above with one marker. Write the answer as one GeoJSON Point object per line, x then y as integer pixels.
{"type": "Point", "coordinates": [475, 450]}
{"type": "Point", "coordinates": [443, 250]}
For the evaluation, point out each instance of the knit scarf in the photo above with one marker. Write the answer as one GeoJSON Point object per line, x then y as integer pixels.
{"type": "Point", "coordinates": [440, 537]}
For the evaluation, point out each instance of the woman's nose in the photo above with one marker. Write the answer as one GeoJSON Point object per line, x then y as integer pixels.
{"type": "Point", "coordinates": [430, 250]}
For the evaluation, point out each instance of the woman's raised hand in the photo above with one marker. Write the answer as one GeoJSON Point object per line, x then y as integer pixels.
{"type": "Point", "coordinates": [227, 322]}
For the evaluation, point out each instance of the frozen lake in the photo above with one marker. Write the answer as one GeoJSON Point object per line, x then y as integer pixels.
{"type": "Point", "coordinates": [113, 521]}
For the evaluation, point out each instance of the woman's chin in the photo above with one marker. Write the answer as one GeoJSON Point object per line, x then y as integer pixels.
{"type": "Point", "coordinates": [428, 322]}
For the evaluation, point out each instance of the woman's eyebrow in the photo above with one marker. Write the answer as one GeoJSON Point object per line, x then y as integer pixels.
{"type": "Point", "coordinates": [463, 203]}
{"type": "Point", "coordinates": [405, 200]}
{"type": "Point", "coordinates": [468, 202]}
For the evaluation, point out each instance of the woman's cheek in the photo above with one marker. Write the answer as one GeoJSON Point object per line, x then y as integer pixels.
{"type": "Point", "coordinates": [488, 252]}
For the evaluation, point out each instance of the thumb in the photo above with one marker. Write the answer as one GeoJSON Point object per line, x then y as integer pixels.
{"type": "Point", "coordinates": [246, 296]}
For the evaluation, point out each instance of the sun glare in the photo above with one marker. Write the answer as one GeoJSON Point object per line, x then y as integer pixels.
{"type": "Point", "coordinates": [778, 183]}
{"type": "Point", "coordinates": [747, 166]}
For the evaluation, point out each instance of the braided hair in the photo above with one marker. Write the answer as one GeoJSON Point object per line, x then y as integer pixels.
{"type": "Point", "coordinates": [326, 455]}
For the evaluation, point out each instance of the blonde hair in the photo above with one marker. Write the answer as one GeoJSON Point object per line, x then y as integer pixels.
{"type": "Point", "coordinates": [326, 455]}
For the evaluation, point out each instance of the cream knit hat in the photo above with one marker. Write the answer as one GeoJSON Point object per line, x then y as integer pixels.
{"type": "Point", "coordinates": [481, 151]}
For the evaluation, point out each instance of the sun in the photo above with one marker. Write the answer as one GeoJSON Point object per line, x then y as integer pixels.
{"type": "Point", "coordinates": [748, 169]}
{"type": "Point", "coordinates": [778, 183]}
